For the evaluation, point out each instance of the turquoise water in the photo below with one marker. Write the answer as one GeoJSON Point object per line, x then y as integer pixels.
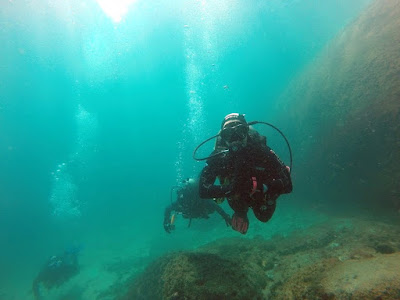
{"type": "Point", "coordinates": [99, 116]}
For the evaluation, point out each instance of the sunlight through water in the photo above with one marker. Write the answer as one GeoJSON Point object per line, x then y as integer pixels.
{"type": "Point", "coordinates": [115, 9]}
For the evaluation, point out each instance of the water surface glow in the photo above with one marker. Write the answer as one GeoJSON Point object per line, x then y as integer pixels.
{"type": "Point", "coordinates": [115, 9]}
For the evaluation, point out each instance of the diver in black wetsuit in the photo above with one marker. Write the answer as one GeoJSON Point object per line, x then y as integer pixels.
{"type": "Point", "coordinates": [189, 204]}
{"type": "Point", "coordinates": [57, 270]}
{"type": "Point", "coordinates": [249, 172]}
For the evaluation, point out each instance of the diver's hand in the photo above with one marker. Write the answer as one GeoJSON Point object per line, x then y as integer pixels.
{"type": "Point", "coordinates": [275, 187]}
{"type": "Point", "coordinates": [168, 227]}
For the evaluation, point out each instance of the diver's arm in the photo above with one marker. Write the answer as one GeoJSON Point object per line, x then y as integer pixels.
{"type": "Point", "coordinates": [207, 189]}
{"type": "Point", "coordinates": [168, 226]}
{"type": "Point", "coordinates": [282, 182]}
{"type": "Point", "coordinates": [36, 288]}
{"type": "Point", "coordinates": [215, 207]}
{"type": "Point", "coordinates": [219, 210]}
{"type": "Point", "coordinates": [168, 211]}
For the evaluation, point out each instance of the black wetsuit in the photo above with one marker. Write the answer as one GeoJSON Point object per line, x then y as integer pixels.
{"type": "Point", "coordinates": [255, 162]}
{"type": "Point", "coordinates": [191, 206]}
{"type": "Point", "coordinates": [56, 272]}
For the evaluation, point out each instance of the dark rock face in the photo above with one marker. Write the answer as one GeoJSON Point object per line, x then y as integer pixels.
{"type": "Point", "coordinates": [343, 115]}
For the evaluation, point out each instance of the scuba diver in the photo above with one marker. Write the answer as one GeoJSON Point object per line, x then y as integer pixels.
{"type": "Point", "coordinates": [250, 174]}
{"type": "Point", "coordinates": [189, 204]}
{"type": "Point", "coordinates": [57, 270]}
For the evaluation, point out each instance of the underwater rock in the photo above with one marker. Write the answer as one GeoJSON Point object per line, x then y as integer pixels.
{"type": "Point", "coordinates": [368, 278]}
{"type": "Point", "coordinates": [348, 100]}
{"type": "Point", "coordinates": [192, 275]}
{"type": "Point", "coordinates": [385, 249]}
{"type": "Point", "coordinates": [338, 259]}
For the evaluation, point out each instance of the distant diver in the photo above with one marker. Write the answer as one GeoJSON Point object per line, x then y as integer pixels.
{"type": "Point", "coordinates": [56, 271]}
{"type": "Point", "coordinates": [190, 205]}
{"type": "Point", "coordinates": [250, 174]}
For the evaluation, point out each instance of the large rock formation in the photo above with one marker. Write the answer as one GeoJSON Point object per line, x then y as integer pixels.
{"type": "Point", "coordinates": [340, 259]}
{"type": "Point", "coordinates": [343, 115]}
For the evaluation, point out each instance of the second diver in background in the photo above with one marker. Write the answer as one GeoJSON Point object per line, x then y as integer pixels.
{"type": "Point", "coordinates": [189, 204]}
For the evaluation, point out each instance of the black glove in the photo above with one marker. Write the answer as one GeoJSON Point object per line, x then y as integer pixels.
{"type": "Point", "coordinates": [272, 191]}
{"type": "Point", "coordinates": [168, 227]}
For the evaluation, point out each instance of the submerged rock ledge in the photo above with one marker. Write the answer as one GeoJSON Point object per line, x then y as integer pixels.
{"type": "Point", "coordinates": [341, 259]}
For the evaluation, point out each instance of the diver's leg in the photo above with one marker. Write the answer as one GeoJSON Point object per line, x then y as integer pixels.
{"type": "Point", "coordinates": [36, 289]}
{"type": "Point", "coordinates": [239, 222]}
{"type": "Point", "coordinates": [263, 210]}
{"type": "Point", "coordinates": [238, 205]}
